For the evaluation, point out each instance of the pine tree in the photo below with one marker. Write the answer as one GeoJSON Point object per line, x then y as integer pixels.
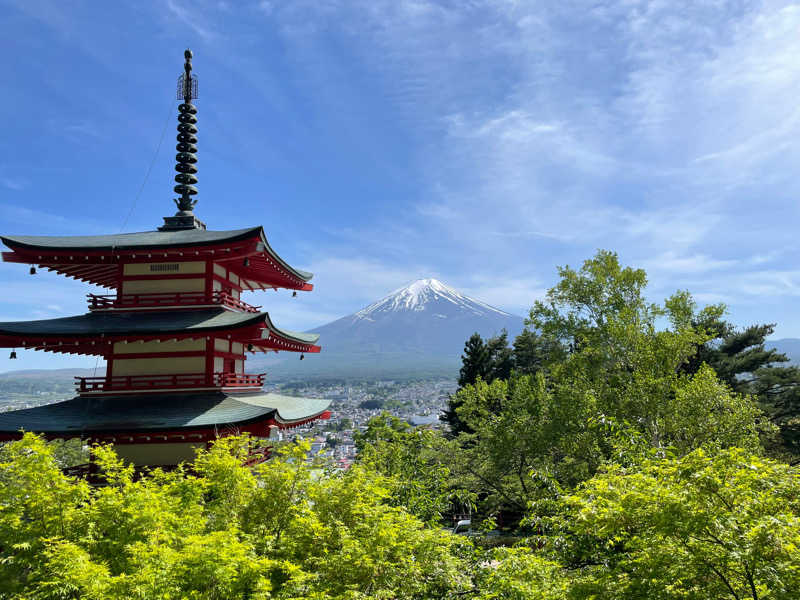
{"type": "Point", "coordinates": [501, 357]}
{"type": "Point", "coordinates": [741, 360]}
{"type": "Point", "coordinates": [474, 363]}
{"type": "Point", "coordinates": [532, 352]}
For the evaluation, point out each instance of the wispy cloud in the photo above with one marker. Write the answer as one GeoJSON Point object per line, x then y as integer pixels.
{"type": "Point", "coordinates": [671, 262]}
{"type": "Point", "coordinates": [13, 184]}
{"type": "Point", "coordinates": [187, 13]}
{"type": "Point", "coordinates": [486, 142]}
{"type": "Point", "coordinates": [81, 130]}
{"type": "Point", "coordinates": [550, 131]}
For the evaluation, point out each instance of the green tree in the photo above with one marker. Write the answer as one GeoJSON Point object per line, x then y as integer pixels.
{"type": "Point", "coordinates": [518, 427]}
{"type": "Point", "coordinates": [476, 361]}
{"type": "Point", "coordinates": [37, 503]}
{"type": "Point", "coordinates": [487, 361]}
{"type": "Point", "coordinates": [628, 367]}
{"type": "Point", "coordinates": [474, 365]}
{"type": "Point", "coordinates": [416, 464]}
{"type": "Point", "coordinates": [701, 526]}
{"type": "Point", "coordinates": [520, 574]}
{"type": "Point", "coordinates": [742, 361]}
{"type": "Point", "coordinates": [531, 352]}
{"type": "Point", "coordinates": [526, 438]}
{"type": "Point", "coordinates": [501, 357]}
{"type": "Point", "coordinates": [283, 530]}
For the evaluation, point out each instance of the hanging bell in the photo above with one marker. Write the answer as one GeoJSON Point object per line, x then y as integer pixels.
{"type": "Point", "coordinates": [33, 270]}
{"type": "Point", "coordinates": [13, 354]}
{"type": "Point", "coordinates": [302, 356]}
{"type": "Point", "coordinates": [249, 347]}
{"type": "Point", "coordinates": [246, 262]}
{"type": "Point", "coordinates": [294, 294]}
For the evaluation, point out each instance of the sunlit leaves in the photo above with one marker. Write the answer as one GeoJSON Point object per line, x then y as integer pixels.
{"type": "Point", "coordinates": [285, 530]}
{"type": "Point", "coordinates": [722, 525]}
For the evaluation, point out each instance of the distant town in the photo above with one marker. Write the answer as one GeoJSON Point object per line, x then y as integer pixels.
{"type": "Point", "coordinates": [353, 404]}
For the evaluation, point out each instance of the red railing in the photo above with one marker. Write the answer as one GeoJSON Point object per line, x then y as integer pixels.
{"type": "Point", "coordinates": [107, 302]}
{"type": "Point", "coordinates": [239, 379]}
{"type": "Point", "coordinates": [126, 383]}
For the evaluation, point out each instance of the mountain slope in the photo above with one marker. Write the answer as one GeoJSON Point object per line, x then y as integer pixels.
{"type": "Point", "coordinates": [788, 346]}
{"type": "Point", "coordinates": [426, 316]}
{"type": "Point", "coordinates": [419, 329]}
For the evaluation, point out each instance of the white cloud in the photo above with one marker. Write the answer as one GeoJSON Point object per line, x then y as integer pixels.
{"type": "Point", "coordinates": [515, 295]}
{"type": "Point", "coordinates": [673, 263]}
{"type": "Point", "coordinates": [190, 16]}
{"type": "Point", "coordinates": [14, 184]}
{"type": "Point", "coordinates": [536, 133]}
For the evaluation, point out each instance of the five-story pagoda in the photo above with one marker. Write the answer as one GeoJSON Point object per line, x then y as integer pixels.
{"type": "Point", "coordinates": [174, 333]}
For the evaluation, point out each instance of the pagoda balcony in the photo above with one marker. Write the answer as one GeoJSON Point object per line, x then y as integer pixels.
{"type": "Point", "coordinates": [166, 383]}
{"type": "Point", "coordinates": [170, 300]}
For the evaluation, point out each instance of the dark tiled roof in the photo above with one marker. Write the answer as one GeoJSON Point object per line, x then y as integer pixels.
{"type": "Point", "coordinates": [306, 338]}
{"type": "Point", "coordinates": [148, 322]}
{"type": "Point", "coordinates": [137, 413]}
{"type": "Point", "coordinates": [138, 322]}
{"type": "Point", "coordinates": [130, 241]}
{"type": "Point", "coordinates": [145, 240]}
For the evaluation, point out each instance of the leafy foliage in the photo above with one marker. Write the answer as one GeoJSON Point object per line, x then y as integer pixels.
{"type": "Point", "coordinates": [625, 435]}
{"type": "Point", "coordinates": [526, 437]}
{"type": "Point", "coordinates": [740, 359]}
{"type": "Point", "coordinates": [417, 465]}
{"type": "Point", "coordinates": [702, 526]}
{"type": "Point", "coordinates": [487, 361]}
{"type": "Point", "coordinates": [280, 531]}
{"type": "Point", "coordinates": [521, 574]}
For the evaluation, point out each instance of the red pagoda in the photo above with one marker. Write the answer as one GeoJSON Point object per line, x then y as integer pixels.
{"type": "Point", "coordinates": [174, 332]}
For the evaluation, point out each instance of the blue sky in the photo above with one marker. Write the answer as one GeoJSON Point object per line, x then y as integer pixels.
{"type": "Point", "coordinates": [380, 141]}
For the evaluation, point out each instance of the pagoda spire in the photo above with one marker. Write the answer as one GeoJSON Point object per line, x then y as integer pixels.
{"type": "Point", "coordinates": [186, 157]}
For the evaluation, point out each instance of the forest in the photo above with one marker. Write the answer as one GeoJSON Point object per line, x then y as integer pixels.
{"type": "Point", "coordinates": [619, 448]}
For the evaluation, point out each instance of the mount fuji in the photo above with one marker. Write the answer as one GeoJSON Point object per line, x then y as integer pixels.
{"type": "Point", "coordinates": [417, 330]}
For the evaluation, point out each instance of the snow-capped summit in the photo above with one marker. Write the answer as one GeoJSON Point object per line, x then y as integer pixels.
{"type": "Point", "coordinates": [417, 330]}
{"type": "Point", "coordinates": [428, 294]}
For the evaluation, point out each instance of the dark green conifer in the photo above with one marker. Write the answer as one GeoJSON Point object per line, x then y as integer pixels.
{"type": "Point", "coordinates": [741, 360]}
{"type": "Point", "coordinates": [474, 364]}
{"type": "Point", "coordinates": [500, 357]}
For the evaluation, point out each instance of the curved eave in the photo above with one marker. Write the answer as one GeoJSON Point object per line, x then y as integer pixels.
{"type": "Point", "coordinates": [265, 269]}
{"type": "Point", "coordinates": [144, 240]}
{"type": "Point", "coordinates": [95, 259]}
{"type": "Point", "coordinates": [305, 338]}
{"type": "Point", "coordinates": [138, 416]}
{"type": "Point", "coordinates": [93, 332]}
{"type": "Point", "coordinates": [273, 338]}
{"type": "Point", "coordinates": [303, 275]}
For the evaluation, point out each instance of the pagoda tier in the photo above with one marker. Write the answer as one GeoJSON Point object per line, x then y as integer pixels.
{"type": "Point", "coordinates": [108, 260]}
{"type": "Point", "coordinates": [159, 351]}
{"type": "Point", "coordinates": [182, 418]}
{"type": "Point", "coordinates": [103, 333]}
{"type": "Point", "coordinates": [174, 334]}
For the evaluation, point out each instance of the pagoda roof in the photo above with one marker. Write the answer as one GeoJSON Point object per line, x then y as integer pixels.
{"type": "Point", "coordinates": [144, 240]}
{"type": "Point", "coordinates": [305, 338]}
{"type": "Point", "coordinates": [118, 325]}
{"type": "Point", "coordinates": [94, 258]}
{"type": "Point", "coordinates": [162, 412]}
{"type": "Point", "coordinates": [132, 323]}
